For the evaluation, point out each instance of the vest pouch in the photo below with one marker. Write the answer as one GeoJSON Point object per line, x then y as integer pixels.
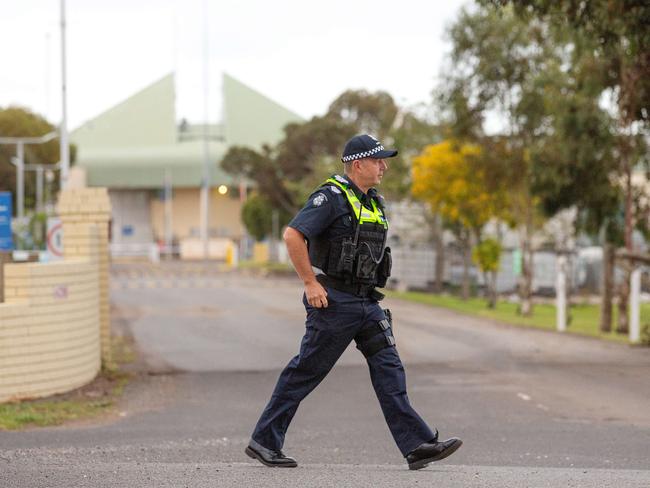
{"type": "Point", "coordinates": [366, 268]}
{"type": "Point", "coordinates": [345, 264]}
{"type": "Point", "coordinates": [385, 266]}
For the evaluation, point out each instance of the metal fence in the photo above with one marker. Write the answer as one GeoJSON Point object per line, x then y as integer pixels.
{"type": "Point", "coordinates": [414, 268]}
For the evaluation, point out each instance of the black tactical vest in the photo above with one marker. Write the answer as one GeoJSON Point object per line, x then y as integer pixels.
{"type": "Point", "coordinates": [361, 257]}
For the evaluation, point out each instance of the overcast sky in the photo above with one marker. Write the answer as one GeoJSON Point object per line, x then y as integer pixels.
{"type": "Point", "coordinates": [301, 54]}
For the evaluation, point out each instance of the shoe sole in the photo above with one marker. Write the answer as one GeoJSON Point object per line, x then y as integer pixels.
{"type": "Point", "coordinates": [423, 463]}
{"type": "Point", "coordinates": [254, 455]}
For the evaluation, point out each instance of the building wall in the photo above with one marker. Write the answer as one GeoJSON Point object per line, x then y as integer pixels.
{"type": "Point", "coordinates": [224, 218]}
{"type": "Point", "coordinates": [131, 217]}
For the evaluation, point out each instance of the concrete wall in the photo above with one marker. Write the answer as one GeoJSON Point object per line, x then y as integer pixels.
{"type": "Point", "coordinates": [54, 324]}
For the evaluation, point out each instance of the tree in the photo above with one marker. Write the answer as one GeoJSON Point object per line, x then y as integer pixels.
{"type": "Point", "coordinates": [257, 215]}
{"type": "Point", "coordinates": [619, 36]}
{"type": "Point", "coordinates": [451, 178]}
{"type": "Point", "coordinates": [577, 165]}
{"type": "Point", "coordinates": [262, 168]}
{"type": "Point", "coordinates": [487, 255]}
{"type": "Point", "coordinates": [21, 122]}
{"type": "Point", "coordinates": [496, 62]}
{"type": "Point", "coordinates": [310, 151]}
{"type": "Point", "coordinates": [620, 42]}
{"type": "Point", "coordinates": [371, 113]}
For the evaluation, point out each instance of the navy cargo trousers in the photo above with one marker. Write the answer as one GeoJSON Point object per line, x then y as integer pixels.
{"type": "Point", "coordinates": [328, 333]}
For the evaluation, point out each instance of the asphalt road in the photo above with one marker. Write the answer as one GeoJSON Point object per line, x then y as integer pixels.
{"type": "Point", "coordinates": [533, 408]}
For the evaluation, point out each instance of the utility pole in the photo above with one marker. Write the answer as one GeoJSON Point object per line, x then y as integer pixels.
{"type": "Point", "coordinates": [20, 179]}
{"type": "Point", "coordinates": [64, 146]}
{"type": "Point", "coordinates": [205, 180]}
{"type": "Point", "coordinates": [168, 213]}
{"type": "Point", "coordinates": [39, 188]}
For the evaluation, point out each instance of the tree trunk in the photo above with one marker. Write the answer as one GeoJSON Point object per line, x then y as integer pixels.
{"type": "Point", "coordinates": [627, 104]}
{"type": "Point", "coordinates": [607, 281]}
{"type": "Point", "coordinates": [526, 306]}
{"type": "Point", "coordinates": [467, 260]}
{"type": "Point", "coordinates": [492, 299]}
{"type": "Point", "coordinates": [624, 289]}
{"type": "Point", "coordinates": [526, 282]}
{"type": "Point", "coordinates": [486, 291]}
{"type": "Point", "coordinates": [440, 253]}
{"type": "Point", "coordinates": [623, 299]}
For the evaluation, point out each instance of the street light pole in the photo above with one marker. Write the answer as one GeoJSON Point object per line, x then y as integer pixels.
{"type": "Point", "coordinates": [168, 213]}
{"type": "Point", "coordinates": [205, 180]}
{"type": "Point", "coordinates": [20, 179]}
{"type": "Point", "coordinates": [39, 188]}
{"type": "Point", "coordinates": [64, 146]}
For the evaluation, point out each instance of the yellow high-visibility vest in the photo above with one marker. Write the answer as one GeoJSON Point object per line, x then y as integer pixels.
{"type": "Point", "coordinates": [363, 214]}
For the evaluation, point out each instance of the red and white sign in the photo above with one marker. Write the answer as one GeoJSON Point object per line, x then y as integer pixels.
{"type": "Point", "coordinates": [54, 238]}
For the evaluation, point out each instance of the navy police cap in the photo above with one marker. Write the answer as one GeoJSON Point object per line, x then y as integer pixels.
{"type": "Point", "coordinates": [365, 146]}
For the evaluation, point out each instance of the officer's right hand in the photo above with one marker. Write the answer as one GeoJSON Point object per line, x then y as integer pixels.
{"type": "Point", "coordinates": [316, 294]}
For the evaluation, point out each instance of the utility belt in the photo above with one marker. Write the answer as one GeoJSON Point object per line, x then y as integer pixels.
{"type": "Point", "coordinates": [358, 289]}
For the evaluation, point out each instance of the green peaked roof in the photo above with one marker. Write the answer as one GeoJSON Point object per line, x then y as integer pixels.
{"type": "Point", "coordinates": [250, 118]}
{"type": "Point", "coordinates": [144, 119]}
{"type": "Point", "coordinates": [132, 144]}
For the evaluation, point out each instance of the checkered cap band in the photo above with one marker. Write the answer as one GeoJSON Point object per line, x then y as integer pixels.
{"type": "Point", "coordinates": [365, 154]}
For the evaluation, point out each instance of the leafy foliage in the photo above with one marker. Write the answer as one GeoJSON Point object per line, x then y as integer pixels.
{"type": "Point", "coordinates": [487, 255]}
{"type": "Point", "coordinates": [621, 40]}
{"type": "Point", "coordinates": [617, 58]}
{"type": "Point", "coordinates": [451, 178]}
{"type": "Point", "coordinates": [20, 122]}
{"type": "Point", "coordinates": [257, 215]}
{"type": "Point", "coordinates": [310, 152]}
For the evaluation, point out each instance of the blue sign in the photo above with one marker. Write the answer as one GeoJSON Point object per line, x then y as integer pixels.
{"type": "Point", "coordinates": [6, 239]}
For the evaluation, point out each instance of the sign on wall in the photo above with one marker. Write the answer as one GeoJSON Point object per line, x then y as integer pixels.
{"type": "Point", "coordinates": [6, 238]}
{"type": "Point", "coordinates": [54, 238]}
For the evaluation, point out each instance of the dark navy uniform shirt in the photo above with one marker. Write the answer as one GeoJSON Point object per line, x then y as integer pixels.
{"type": "Point", "coordinates": [328, 211]}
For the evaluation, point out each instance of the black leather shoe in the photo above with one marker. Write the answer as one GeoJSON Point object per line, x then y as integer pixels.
{"type": "Point", "coordinates": [273, 459]}
{"type": "Point", "coordinates": [432, 451]}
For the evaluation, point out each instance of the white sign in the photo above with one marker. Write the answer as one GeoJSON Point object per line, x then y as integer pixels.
{"type": "Point", "coordinates": [54, 238]}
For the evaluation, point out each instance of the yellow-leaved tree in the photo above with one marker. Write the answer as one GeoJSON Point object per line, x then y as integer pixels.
{"type": "Point", "coordinates": [452, 178]}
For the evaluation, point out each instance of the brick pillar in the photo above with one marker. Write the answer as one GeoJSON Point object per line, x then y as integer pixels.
{"type": "Point", "coordinates": [81, 209]}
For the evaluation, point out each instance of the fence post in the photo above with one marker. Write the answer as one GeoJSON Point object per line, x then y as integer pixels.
{"type": "Point", "coordinates": [560, 294]}
{"type": "Point", "coordinates": [635, 305]}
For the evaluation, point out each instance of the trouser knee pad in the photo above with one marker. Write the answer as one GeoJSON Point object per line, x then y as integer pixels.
{"type": "Point", "coordinates": [376, 337]}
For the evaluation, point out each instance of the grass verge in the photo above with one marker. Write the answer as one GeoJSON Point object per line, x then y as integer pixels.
{"type": "Point", "coordinates": [583, 318]}
{"type": "Point", "coordinates": [265, 268]}
{"type": "Point", "coordinates": [97, 398]}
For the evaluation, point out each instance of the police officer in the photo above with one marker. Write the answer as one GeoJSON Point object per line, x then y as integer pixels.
{"type": "Point", "coordinates": [337, 244]}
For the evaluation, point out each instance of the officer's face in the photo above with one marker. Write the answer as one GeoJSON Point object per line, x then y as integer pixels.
{"type": "Point", "coordinates": [372, 170]}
